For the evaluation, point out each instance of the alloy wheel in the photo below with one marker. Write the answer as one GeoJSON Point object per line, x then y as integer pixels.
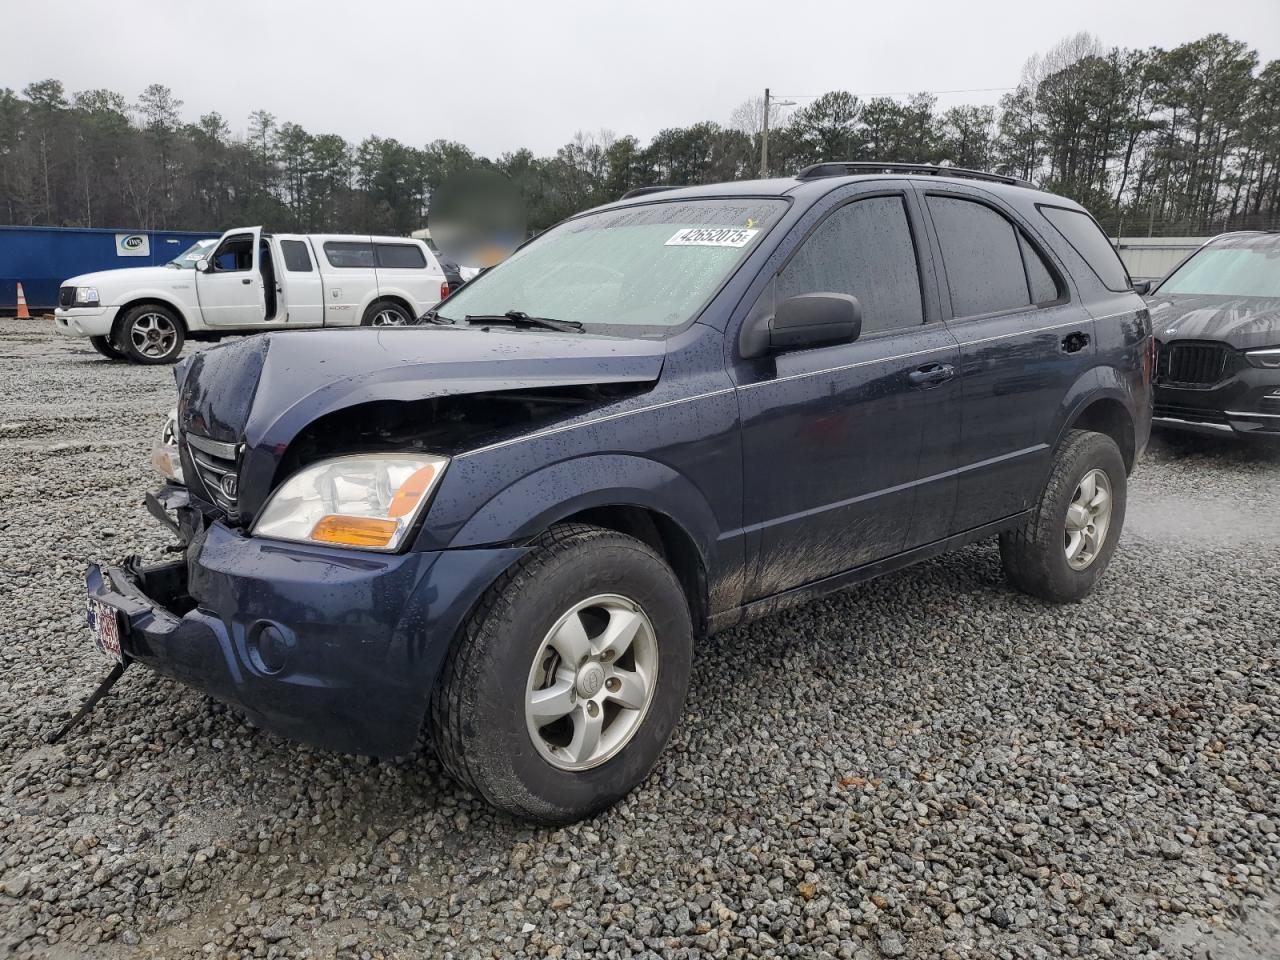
{"type": "Point", "coordinates": [592, 682]}
{"type": "Point", "coordinates": [387, 318]}
{"type": "Point", "coordinates": [1088, 519]}
{"type": "Point", "coordinates": [153, 335]}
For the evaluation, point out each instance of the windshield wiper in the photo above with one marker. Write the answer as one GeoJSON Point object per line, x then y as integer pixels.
{"type": "Point", "coordinates": [521, 319]}
{"type": "Point", "coordinates": [434, 316]}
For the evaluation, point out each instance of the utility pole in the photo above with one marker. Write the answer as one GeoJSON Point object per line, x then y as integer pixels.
{"type": "Point", "coordinates": [764, 139]}
{"type": "Point", "coordinates": [764, 131]}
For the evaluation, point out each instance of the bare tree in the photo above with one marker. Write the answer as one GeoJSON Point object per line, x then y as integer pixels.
{"type": "Point", "coordinates": [748, 116]}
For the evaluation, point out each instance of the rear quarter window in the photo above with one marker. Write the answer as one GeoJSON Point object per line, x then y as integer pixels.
{"type": "Point", "coordinates": [1087, 239]}
{"type": "Point", "coordinates": [401, 256]}
{"type": "Point", "coordinates": [349, 254]}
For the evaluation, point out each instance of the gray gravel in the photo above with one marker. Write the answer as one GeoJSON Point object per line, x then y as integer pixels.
{"type": "Point", "coordinates": [930, 765]}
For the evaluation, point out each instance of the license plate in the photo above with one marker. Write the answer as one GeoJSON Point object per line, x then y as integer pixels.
{"type": "Point", "coordinates": [104, 624]}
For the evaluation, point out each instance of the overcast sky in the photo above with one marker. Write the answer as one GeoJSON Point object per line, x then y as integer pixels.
{"type": "Point", "coordinates": [498, 75]}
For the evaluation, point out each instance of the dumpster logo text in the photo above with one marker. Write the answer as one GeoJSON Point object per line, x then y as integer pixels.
{"type": "Point", "coordinates": [133, 245]}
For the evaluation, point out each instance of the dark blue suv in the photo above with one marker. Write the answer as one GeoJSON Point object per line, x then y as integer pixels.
{"type": "Point", "coordinates": [660, 418]}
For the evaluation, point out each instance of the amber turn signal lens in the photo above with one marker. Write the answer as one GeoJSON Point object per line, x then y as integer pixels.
{"type": "Point", "coordinates": [411, 491]}
{"type": "Point", "coordinates": [354, 531]}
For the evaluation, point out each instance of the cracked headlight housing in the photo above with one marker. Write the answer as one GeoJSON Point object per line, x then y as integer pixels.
{"type": "Point", "coordinates": [86, 296]}
{"type": "Point", "coordinates": [368, 501]}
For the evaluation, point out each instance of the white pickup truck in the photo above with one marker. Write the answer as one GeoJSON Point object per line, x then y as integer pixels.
{"type": "Point", "coordinates": [245, 281]}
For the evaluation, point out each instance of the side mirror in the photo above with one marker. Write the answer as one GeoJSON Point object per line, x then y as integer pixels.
{"type": "Point", "coordinates": [815, 320]}
{"type": "Point", "coordinates": [202, 265]}
{"type": "Point", "coordinates": [1142, 287]}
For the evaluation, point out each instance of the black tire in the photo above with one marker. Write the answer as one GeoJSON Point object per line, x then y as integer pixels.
{"type": "Point", "coordinates": [1034, 554]}
{"type": "Point", "coordinates": [138, 343]}
{"type": "Point", "coordinates": [379, 309]}
{"type": "Point", "coordinates": [478, 713]}
{"type": "Point", "coordinates": [104, 346]}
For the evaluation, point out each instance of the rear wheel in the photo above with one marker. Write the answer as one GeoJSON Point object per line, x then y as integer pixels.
{"type": "Point", "coordinates": [105, 347]}
{"type": "Point", "coordinates": [1061, 551]}
{"type": "Point", "coordinates": [150, 333]}
{"type": "Point", "coordinates": [563, 688]}
{"type": "Point", "coordinates": [385, 313]}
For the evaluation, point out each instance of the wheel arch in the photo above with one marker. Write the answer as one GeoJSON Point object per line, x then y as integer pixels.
{"type": "Point", "coordinates": [155, 301]}
{"type": "Point", "coordinates": [1106, 414]}
{"type": "Point", "coordinates": [668, 539]}
{"type": "Point", "coordinates": [395, 298]}
{"type": "Point", "coordinates": [632, 495]}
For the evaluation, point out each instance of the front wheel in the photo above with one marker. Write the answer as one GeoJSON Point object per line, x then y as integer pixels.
{"type": "Point", "coordinates": [1061, 551]}
{"type": "Point", "coordinates": [105, 347]}
{"type": "Point", "coordinates": [150, 334]}
{"type": "Point", "coordinates": [562, 690]}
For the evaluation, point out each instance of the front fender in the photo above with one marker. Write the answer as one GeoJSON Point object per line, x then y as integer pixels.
{"type": "Point", "coordinates": [533, 503]}
{"type": "Point", "coordinates": [190, 316]}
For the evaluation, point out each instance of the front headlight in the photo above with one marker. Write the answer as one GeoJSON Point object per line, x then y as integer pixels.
{"type": "Point", "coordinates": [164, 454]}
{"type": "Point", "coordinates": [86, 295]}
{"type": "Point", "coordinates": [1269, 359]}
{"type": "Point", "coordinates": [369, 500]}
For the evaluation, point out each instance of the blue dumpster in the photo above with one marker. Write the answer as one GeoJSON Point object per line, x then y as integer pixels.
{"type": "Point", "coordinates": [40, 258]}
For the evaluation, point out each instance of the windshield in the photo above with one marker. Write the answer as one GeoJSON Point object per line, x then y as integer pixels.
{"type": "Point", "coordinates": [1235, 267]}
{"type": "Point", "coordinates": [187, 259]}
{"type": "Point", "coordinates": [635, 271]}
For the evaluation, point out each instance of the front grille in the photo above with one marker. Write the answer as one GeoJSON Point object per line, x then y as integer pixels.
{"type": "Point", "coordinates": [1192, 364]}
{"type": "Point", "coordinates": [217, 465]}
{"type": "Point", "coordinates": [66, 296]}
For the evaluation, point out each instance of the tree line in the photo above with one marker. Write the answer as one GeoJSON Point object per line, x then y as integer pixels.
{"type": "Point", "coordinates": [1179, 141]}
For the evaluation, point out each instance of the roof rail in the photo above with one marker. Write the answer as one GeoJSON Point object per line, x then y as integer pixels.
{"type": "Point", "coordinates": [642, 191]}
{"type": "Point", "coordinates": [841, 168]}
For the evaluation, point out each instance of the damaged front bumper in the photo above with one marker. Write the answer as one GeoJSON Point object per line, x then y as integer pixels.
{"type": "Point", "coordinates": [337, 648]}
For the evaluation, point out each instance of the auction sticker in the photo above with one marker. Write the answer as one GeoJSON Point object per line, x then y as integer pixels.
{"type": "Point", "coordinates": [712, 237]}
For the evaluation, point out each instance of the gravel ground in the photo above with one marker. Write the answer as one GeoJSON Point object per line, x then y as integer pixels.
{"type": "Point", "coordinates": [929, 765]}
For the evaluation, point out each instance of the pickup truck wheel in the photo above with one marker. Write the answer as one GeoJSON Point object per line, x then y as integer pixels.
{"type": "Point", "coordinates": [1062, 550]}
{"type": "Point", "coordinates": [150, 333]}
{"type": "Point", "coordinates": [563, 688]}
{"type": "Point", "coordinates": [385, 313]}
{"type": "Point", "coordinates": [104, 346]}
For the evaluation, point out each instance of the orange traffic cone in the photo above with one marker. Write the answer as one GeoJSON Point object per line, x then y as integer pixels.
{"type": "Point", "coordinates": [23, 313]}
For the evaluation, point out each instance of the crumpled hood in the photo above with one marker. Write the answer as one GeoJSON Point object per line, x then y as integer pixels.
{"type": "Point", "coordinates": [129, 277]}
{"type": "Point", "coordinates": [268, 387]}
{"type": "Point", "coordinates": [1244, 322]}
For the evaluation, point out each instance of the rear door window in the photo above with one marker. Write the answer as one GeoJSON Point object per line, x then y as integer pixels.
{"type": "Point", "coordinates": [864, 249]}
{"type": "Point", "coordinates": [350, 254]}
{"type": "Point", "coordinates": [1087, 239]}
{"type": "Point", "coordinates": [401, 256]}
{"type": "Point", "coordinates": [982, 252]}
{"type": "Point", "coordinates": [297, 259]}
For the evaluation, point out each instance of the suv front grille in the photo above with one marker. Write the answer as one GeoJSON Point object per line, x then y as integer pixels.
{"type": "Point", "coordinates": [1192, 364]}
{"type": "Point", "coordinates": [66, 296]}
{"type": "Point", "coordinates": [217, 465]}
